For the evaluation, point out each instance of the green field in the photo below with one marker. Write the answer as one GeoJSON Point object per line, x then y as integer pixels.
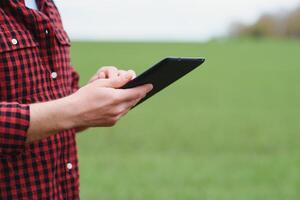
{"type": "Point", "coordinates": [230, 130]}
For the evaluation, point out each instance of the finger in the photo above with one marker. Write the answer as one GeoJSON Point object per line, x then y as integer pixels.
{"type": "Point", "coordinates": [122, 73]}
{"type": "Point", "coordinates": [134, 102]}
{"type": "Point", "coordinates": [116, 82]}
{"type": "Point", "coordinates": [111, 72]}
{"type": "Point", "coordinates": [130, 72]}
{"type": "Point", "coordinates": [135, 93]}
{"type": "Point", "coordinates": [101, 75]}
{"type": "Point", "coordinates": [128, 106]}
{"type": "Point", "coordinates": [124, 113]}
{"type": "Point", "coordinates": [133, 73]}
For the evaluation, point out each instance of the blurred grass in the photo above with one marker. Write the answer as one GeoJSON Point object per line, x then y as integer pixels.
{"type": "Point", "coordinates": [230, 130]}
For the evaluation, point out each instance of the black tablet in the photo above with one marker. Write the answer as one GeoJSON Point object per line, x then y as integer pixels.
{"type": "Point", "coordinates": [164, 74]}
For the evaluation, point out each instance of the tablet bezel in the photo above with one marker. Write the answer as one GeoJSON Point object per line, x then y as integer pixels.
{"type": "Point", "coordinates": [176, 68]}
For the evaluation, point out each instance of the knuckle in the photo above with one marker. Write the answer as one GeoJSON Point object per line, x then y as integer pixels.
{"type": "Point", "coordinates": [117, 111]}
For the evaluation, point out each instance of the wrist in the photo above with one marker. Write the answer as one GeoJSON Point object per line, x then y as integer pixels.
{"type": "Point", "coordinates": [50, 118]}
{"type": "Point", "coordinates": [68, 108]}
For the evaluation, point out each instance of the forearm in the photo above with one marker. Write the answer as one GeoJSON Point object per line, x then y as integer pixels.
{"type": "Point", "coordinates": [50, 118]}
{"type": "Point", "coordinates": [98, 104]}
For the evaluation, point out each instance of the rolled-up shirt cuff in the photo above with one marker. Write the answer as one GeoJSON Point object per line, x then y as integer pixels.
{"type": "Point", "coordinates": [14, 124]}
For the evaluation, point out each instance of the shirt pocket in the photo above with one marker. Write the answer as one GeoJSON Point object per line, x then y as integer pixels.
{"type": "Point", "coordinates": [21, 70]}
{"type": "Point", "coordinates": [15, 39]}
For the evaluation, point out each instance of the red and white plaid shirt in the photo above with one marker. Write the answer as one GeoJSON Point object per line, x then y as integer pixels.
{"type": "Point", "coordinates": [34, 67]}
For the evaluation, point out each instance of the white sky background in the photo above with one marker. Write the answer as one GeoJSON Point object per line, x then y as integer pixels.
{"type": "Point", "coordinates": [171, 20]}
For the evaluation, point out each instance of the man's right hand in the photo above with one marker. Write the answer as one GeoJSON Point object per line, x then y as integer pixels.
{"type": "Point", "coordinates": [98, 104]}
{"type": "Point", "coordinates": [102, 104]}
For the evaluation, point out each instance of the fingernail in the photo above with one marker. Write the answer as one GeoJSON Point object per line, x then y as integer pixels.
{"type": "Point", "coordinates": [150, 87]}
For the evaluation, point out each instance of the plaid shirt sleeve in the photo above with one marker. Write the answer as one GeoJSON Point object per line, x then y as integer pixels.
{"type": "Point", "coordinates": [14, 123]}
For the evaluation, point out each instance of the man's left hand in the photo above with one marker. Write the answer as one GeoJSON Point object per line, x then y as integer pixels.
{"type": "Point", "coordinates": [108, 72]}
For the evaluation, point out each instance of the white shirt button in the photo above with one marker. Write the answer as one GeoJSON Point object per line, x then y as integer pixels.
{"type": "Point", "coordinates": [53, 75]}
{"type": "Point", "coordinates": [69, 166]}
{"type": "Point", "coordinates": [14, 41]}
{"type": "Point", "coordinates": [47, 31]}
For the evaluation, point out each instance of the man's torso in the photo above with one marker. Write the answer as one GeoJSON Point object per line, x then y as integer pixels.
{"type": "Point", "coordinates": [35, 67]}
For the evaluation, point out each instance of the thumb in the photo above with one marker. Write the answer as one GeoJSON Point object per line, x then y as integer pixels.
{"type": "Point", "coordinates": [115, 82]}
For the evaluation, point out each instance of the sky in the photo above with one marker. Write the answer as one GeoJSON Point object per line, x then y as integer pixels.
{"type": "Point", "coordinates": [161, 20]}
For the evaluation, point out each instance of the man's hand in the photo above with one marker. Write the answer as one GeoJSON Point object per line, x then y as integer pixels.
{"type": "Point", "coordinates": [108, 72]}
{"type": "Point", "coordinates": [111, 72]}
{"type": "Point", "coordinates": [98, 104]}
{"type": "Point", "coordinates": [101, 103]}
